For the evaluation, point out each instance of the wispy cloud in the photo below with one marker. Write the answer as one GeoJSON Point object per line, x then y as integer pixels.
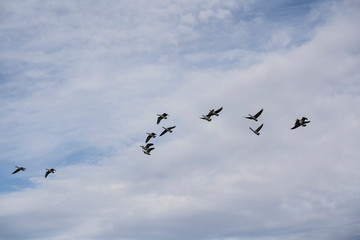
{"type": "Point", "coordinates": [81, 84]}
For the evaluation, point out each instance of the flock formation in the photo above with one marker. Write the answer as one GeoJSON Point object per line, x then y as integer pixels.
{"type": "Point", "coordinates": [149, 146]}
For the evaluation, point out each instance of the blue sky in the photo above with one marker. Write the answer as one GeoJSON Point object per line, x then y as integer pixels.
{"type": "Point", "coordinates": [81, 83]}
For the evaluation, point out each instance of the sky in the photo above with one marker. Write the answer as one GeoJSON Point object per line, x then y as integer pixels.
{"type": "Point", "coordinates": [82, 82]}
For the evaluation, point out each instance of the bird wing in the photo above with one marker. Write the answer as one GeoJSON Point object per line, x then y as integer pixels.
{"type": "Point", "coordinates": [258, 129]}
{"type": "Point", "coordinates": [150, 149]}
{"type": "Point", "coordinates": [252, 130]}
{"type": "Point", "coordinates": [296, 124]}
{"type": "Point", "coordinates": [172, 127]}
{"type": "Point", "coordinates": [148, 145]}
{"type": "Point", "coordinates": [46, 174]}
{"type": "Point", "coordinates": [147, 138]}
{"type": "Point", "coordinates": [158, 120]}
{"type": "Point", "coordinates": [259, 113]}
{"type": "Point", "coordinates": [163, 132]}
{"type": "Point", "coordinates": [219, 110]}
{"type": "Point", "coordinates": [16, 171]}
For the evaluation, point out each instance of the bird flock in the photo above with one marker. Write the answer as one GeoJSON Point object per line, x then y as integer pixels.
{"type": "Point", "coordinates": [148, 147]}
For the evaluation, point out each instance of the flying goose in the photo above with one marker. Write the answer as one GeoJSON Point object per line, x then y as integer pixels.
{"type": "Point", "coordinates": [167, 130]}
{"type": "Point", "coordinates": [150, 135]}
{"type": "Point", "coordinates": [206, 117]}
{"type": "Point", "coordinates": [255, 116]}
{"type": "Point", "coordinates": [161, 117]}
{"type": "Point", "coordinates": [51, 170]}
{"type": "Point", "coordinates": [257, 131]}
{"type": "Point", "coordinates": [213, 112]}
{"type": "Point", "coordinates": [300, 122]}
{"type": "Point", "coordinates": [148, 150]}
{"type": "Point", "coordinates": [146, 146]}
{"type": "Point", "coordinates": [19, 169]}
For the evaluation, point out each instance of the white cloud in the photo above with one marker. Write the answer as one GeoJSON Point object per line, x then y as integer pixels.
{"type": "Point", "coordinates": [89, 81]}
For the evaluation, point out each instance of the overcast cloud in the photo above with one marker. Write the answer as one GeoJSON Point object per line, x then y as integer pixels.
{"type": "Point", "coordinates": [82, 82]}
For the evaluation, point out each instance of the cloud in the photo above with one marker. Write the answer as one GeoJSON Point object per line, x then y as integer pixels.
{"type": "Point", "coordinates": [83, 84]}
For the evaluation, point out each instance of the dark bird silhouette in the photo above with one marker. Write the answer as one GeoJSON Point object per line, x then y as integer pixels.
{"type": "Point", "coordinates": [19, 169]}
{"type": "Point", "coordinates": [150, 135]}
{"type": "Point", "coordinates": [51, 170]}
{"type": "Point", "coordinates": [255, 116]}
{"type": "Point", "coordinates": [148, 150]}
{"type": "Point", "coordinates": [257, 131]}
{"type": "Point", "coordinates": [161, 117]}
{"type": "Point", "coordinates": [206, 117]}
{"type": "Point", "coordinates": [167, 130]}
{"type": "Point", "coordinates": [146, 146]}
{"type": "Point", "coordinates": [213, 112]}
{"type": "Point", "coordinates": [300, 122]}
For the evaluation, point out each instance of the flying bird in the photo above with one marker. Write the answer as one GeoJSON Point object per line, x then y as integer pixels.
{"type": "Point", "coordinates": [147, 151]}
{"type": "Point", "coordinates": [257, 131]}
{"type": "Point", "coordinates": [150, 135]}
{"type": "Point", "coordinates": [167, 130]}
{"type": "Point", "coordinates": [161, 117]}
{"type": "Point", "coordinates": [206, 117]}
{"type": "Point", "coordinates": [213, 112]}
{"type": "Point", "coordinates": [300, 122]}
{"type": "Point", "coordinates": [255, 116]}
{"type": "Point", "coordinates": [146, 146]}
{"type": "Point", "coordinates": [51, 170]}
{"type": "Point", "coordinates": [19, 169]}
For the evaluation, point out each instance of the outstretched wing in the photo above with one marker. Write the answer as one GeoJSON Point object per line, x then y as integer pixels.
{"type": "Point", "coordinates": [258, 129]}
{"type": "Point", "coordinates": [259, 113]}
{"type": "Point", "coordinates": [297, 124]}
{"type": "Point", "coordinates": [252, 130]}
{"type": "Point", "coordinates": [16, 171]}
{"type": "Point", "coordinates": [163, 132]}
{"type": "Point", "coordinates": [219, 110]}
{"type": "Point", "coordinates": [148, 145]}
{"type": "Point", "coordinates": [171, 127]}
{"type": "Point", "coordinates": [47, 173]}
{"type": "Point", "coordinates": [150, 149]}
{"type": "Point", "coordinates": [147, 138]}
{"type": "Point", "coordinates": [158, 120]}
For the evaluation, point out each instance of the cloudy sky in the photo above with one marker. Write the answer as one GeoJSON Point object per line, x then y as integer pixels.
{"type": "Point", "coordinates": [82, 82]}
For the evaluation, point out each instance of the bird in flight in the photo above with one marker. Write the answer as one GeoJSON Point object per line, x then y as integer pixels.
{"type": "Point", "coordinates": [206, 117]}
{"type": "Point", "coordinates": [161, 117]}
{"type": "Point", "coordinates": [146, 146]}
{"type": "Point", "coordinates": [255, 116]}
{"type": "Point", "coordinates": [148, 150]}
{"type": "Point", "coordinates": [167, 130]}
{"type": "Point", "coordinates": [51, 170]}
{"type": "Point", "coordinates": [213, 112]}
{"type": "Point", "coordinates": [300, 122]}
{"type": "Point", "coordinates": [150, 135]}
{"type": "Point", "coordinates": [19, 169]}
{"type": "Point", "coordinates": [257, 131]}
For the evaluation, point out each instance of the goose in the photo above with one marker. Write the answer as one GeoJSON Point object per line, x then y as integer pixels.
{"type": "Point", "coordinates": [161, 117]}
{"type": "Point", "coordinates": [257, 131]}
{"type": "Point", "coordinates": [51, 170]}
{"type": "Point", "coordinates": [206, 117]}
{"type": "Point", "coordinates": [300, 122]}
{"type": "Point", "coordinates": [255, 116]}
{"type": "Point", "coordinates": [19, 169]}
{"type": "Point", "coordinates": [146, 147]}
{"type": "Point", "coordinates": [167, 130]}
{"type": "Point", "coordinates": [147, 151]}
{"type": "Point", "coordinates": [150, 135]}
{"type": "Point", "coordinates": [213, 112]}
